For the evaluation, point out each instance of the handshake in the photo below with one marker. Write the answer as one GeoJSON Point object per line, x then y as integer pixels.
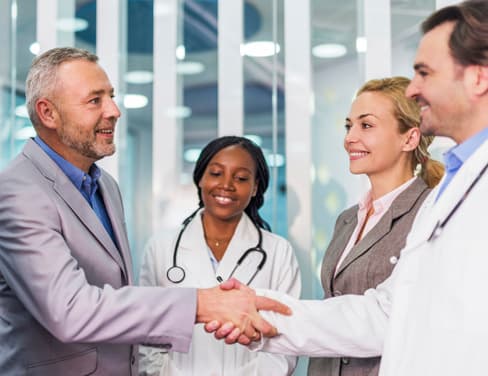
{"type": "Point", "coordinates": [230, 311]}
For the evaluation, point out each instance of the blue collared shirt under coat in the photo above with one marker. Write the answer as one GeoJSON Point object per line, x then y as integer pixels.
{"type": "Point", "coordinates": [457, 155]}
{"type": "Point", "coordinates": [87, 184]}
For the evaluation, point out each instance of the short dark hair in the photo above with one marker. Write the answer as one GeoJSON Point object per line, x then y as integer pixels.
{"type": "Point", "coordinates": [469, 38]}
{"type": "Point", "coordinates": [262, 172]}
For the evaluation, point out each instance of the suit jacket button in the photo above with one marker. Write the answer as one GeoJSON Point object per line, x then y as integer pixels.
{"type": "Point", "coordinates": [132, 360]}
{"type": "Point", "coordinates": [345, 360]}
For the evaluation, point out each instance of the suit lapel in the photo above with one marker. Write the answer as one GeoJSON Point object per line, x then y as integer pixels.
{"type": "Point", "coordinates": [401, 205]}
{"type": "Point", "coordinates": [73, 198]}
{"type": "Point", "coordinates": [118, 225]}
{"type": "Point", "coordinates": [345, 229]}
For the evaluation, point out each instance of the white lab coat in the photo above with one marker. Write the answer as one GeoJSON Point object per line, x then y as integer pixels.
{"type": "Point", "coordinates": [207, 356]}
{"type": "Point", "coordinates": [430, 318]}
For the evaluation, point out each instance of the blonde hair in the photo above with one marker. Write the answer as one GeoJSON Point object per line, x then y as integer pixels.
{"type": "Point", "coordinates": [407, 112]}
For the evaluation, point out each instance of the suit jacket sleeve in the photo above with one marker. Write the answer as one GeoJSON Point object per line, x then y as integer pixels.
{"type": "Point", "coordinates": [47, 282]}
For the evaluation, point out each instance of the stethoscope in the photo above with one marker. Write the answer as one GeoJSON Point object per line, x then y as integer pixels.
{"type": "Point", "coordinates": [439, 226]}
{"type": "Point", "coordinates": [176, 273]}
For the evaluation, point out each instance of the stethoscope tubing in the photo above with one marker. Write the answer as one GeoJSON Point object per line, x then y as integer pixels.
{"type": "Point", "coordinates": [177, 274]}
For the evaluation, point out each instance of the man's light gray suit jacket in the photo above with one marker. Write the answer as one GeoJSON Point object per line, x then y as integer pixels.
{"type": "Point", "coordinates": [66, 304]}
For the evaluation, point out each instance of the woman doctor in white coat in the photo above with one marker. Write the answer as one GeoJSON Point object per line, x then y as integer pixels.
{"type": "Point", "coordinates": [225, 237]}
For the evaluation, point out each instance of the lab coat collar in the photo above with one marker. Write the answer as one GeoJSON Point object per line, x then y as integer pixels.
{"type": "Point", "coordinates": [193, 240]}
{"type": "Point", "coordinates": [454, 192]}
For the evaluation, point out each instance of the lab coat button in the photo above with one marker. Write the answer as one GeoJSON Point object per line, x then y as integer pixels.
{"type": "Point", "coordinates": [337, 293]}
{"type": "Point", "coordinates": [393, 260]}
{"type": "Point", "coordinates": [345, 360]}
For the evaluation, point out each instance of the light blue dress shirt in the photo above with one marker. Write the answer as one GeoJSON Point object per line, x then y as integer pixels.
{"type": "Point", "coordinates": [87, 184]}
{"type": "Point", "coordinates": [457, 155]}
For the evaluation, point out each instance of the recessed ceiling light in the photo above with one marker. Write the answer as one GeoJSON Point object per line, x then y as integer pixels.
{"type": "Point", "coordinates": [260, 49]}
{"type": "Point", "coordinates": [25, 133]}
{"type": "Point", "coordinates": [189, 67]}
{"type": "Point", "coordinates": [35, 48]}
{"type": "Point", "coordinates": [72, 25]}
{"type": "Point", "coordinates": [135, 101]}
{"type": "Point", "coordinates": [138, 77]}
{"type": "Point", "coordinates": [361, 44]}
{"type": "Point", "coordinates": [180, 52]}
{"type": "Point", "coordinates": [21, 111]}
{"type": "Point", "coordinates": [191, 155]}
{"type": "Point", "coordinates": [179, 112]}
{"type": "Point", "coordinates": [329, 50]}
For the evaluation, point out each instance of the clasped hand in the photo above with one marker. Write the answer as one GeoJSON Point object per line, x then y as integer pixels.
{"type": "Point", "coordinates": [230, 311]}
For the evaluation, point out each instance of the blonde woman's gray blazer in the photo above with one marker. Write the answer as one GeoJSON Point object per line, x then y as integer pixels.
{"type": "Point", "coordinates": [368, 263]}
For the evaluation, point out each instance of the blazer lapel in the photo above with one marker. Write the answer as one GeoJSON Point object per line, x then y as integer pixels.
{"type": "Point", "coordinates": [344, 231]}
{"type": "Point", "coordinates": [118, 225]}
{"type": "Point", "coordinates": [402, 204]}
{"type": "Point", "coordinates": [73, 198]}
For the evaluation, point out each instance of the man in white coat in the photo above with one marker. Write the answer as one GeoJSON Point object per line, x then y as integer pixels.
{"type": "Point", "coordinates": [430, 316]}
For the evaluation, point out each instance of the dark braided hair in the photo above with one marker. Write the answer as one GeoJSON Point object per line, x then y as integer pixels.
{"type": "Point", "coordinates": [262, 172]}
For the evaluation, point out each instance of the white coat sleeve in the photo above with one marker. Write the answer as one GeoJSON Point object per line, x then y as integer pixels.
{"type": "Point", "coordinates": [287, 282]}
{"type": "Point", "coordinates": [349, 325]}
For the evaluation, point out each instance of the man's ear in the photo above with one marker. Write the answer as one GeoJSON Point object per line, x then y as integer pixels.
{"type": "Point", "coordinates": [477, 79]}
{"type": "Point", "coordinates": [47, 113]}
{"type": "Point", "coordinates": [412, 139]}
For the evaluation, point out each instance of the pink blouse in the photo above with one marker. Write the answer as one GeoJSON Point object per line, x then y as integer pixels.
{"type": "Point", "coordinates": [380, 206]}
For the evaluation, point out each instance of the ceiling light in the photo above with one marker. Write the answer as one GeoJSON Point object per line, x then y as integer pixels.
{"type": "Point", "coordinates": [179, 112]}
{"type": "Point", "coordinates": [138, 77]}
{"type": "Point", "coordinates": [25, 133]}
{"type": "Point", "coordinates": [35, 48]}
{"type": "Point", "coordinates": [180, 52]}
{"type": "Point", "coordinates": [21, 111]}
{"type": "Point", "coordinates": [260, 49]}
{"type": "Point", "coordinates": [135, 101]}
{"type": "Point", "coordinates": [72, 25]}
{"type": "Point", "coordinates": [361, 44]}
{"type": "Point", "coordinates": [329, 50]}
{"type": "Point", "coordinates": [191, 155]}
{"type": "Point", "coordinates": [189, 67]}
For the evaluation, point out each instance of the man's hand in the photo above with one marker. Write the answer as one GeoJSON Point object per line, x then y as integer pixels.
{"type": "Point", "coordinates": [256, 326]}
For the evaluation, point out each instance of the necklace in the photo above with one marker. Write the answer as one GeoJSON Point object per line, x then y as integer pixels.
{"type": "Point", "coordinates": [217, 242]}
{"type": "Point", "coordinates": [214, 242]}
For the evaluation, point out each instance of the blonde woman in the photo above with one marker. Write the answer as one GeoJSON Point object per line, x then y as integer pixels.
{"type": "Point", "coordinates": [384, 142]}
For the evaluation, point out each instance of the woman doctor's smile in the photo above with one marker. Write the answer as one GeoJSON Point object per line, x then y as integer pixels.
{"type": "Point", "coordinates": [228, 184]}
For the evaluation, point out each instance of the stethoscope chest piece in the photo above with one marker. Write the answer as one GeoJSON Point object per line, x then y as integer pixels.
{"type": "Point", "coordinates": [175, 274]}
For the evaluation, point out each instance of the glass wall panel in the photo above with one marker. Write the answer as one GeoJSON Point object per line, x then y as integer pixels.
{"type": "Point", "coordinates": [336, 76]}
{"type": "Point", "coordinates": [263, 68]}
{"type": "Point", "coordinates": [17, 35]}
